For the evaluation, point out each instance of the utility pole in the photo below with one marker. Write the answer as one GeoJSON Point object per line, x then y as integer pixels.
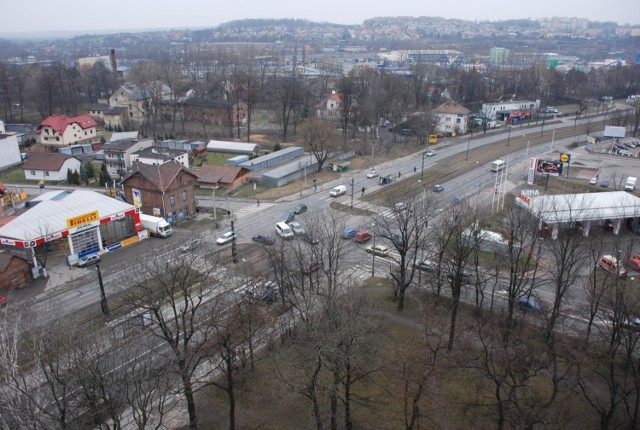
{"type": "Point", "coordinates": [213, 197]}
{"type": "Point", "coordinates": [103, 297]}
{"type": "Point", "coordinates": [234, 253]}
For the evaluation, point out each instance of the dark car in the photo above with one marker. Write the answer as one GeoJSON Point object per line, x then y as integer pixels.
{"type": "Point", "coordinates": [528, 303]}
{"type": "Point", "coordinates": [263, 238]}
{"type": "Point", "coordinates": [310, 239]}
{"type": "Point", "coordinates": [88, 260]}
{"type": "Point", "coordinates": [288, 217]}
{"type": "Point", "coordinates": [604, 183]}
{"type": "Point", "coordinates": [299, 209]}
{"type": "Point", "coordinates": [349, 233]}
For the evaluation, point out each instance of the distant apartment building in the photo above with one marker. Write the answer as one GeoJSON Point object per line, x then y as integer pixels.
{"type": "Point", "coordinates": [138, 101]}
{"type": "Point", "coordinates": [498, 56]}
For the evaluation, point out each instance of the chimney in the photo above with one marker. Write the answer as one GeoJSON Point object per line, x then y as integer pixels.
{"type": "Point", "coordinates": [114, 67]}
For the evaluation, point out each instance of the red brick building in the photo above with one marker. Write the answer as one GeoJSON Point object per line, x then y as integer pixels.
{"type": "Point", "coordinates": [217, 112]}
{"type": "Point", "coordinates": [166, 190]}
{"type": "Point", "coordinates": [14, 271]}
{"type": "Point", "coordinates": [228, 177]}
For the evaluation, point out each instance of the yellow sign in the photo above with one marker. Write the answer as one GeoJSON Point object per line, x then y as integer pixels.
{"type": "Point", "coordinates": [83, 219]}
{"type": "Point", "coordinates": [433, 138]}
{"type": "Point", "coordinates": [129, 241]}
{"type": "Point", "coordinates": [564, 158]}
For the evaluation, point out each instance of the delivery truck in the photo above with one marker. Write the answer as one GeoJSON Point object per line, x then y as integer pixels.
{"type": "Point", "coordinates": [157, 226]}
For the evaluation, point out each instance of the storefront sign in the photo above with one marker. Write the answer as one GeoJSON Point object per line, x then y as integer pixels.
{"type": "Point", "coordinates": [83, 219]}
{"type": "Point", "coordinates": [129, 241]}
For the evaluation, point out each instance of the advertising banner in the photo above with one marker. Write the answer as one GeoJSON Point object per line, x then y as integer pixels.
{"type": "Point", "coordinates": [553, 168]}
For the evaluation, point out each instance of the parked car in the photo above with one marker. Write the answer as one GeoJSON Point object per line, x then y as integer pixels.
{"type": "Point", "coordinates": [400, 206]}
{"type": "Point", "coordinates": [561, 114]}
{"type": "Point", "coordinates": [633, 262]}
{"type": "Point", "coordinates": [3, 300]}
{"type": "Point", "coordinates": [296, 227]}
{"type": "Point", "coordinates": [631, 323]}
{"type": "Point", "coordinates": [427, 265]}
{"type": "Point", "coordinates": [310, 239]}
{"type": "Point", "coordinates": [593, 180]}
{"type": "Point", "coordinates": [379, 250]}
{"type": "Point", "coordinates": [349, 233]}
{"type": "Point", "coordinates": [88, 260]}
{"type": "Point", "coordinates": [311, 266]}
{"type": "Point", "coordinates": [372, 174]}
{"type": "Point", "coordinates": [430, 153]}
{"type": "Point", "coordinates": [604, 183]}
{"type": "Point", "coordinates": [610, 264]}
{"type": "Point", "coordinates": [438, 188]}
{"type": "Point", "coordinates": [299, 209]}
{"type": "Point", "coordinates": [625, 153]}
{"type": "Point", "coordinates": [190, 245]}
{"type": "Point", "coordinates": [226, 238]}
{"type": "Point", "coordinates": [264, 238]}
{"type": "Point", "coordinates": [287, 217]}
{"type": "Point", "coordinates": [528, 303]}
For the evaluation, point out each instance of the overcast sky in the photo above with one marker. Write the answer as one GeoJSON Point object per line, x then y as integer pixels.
{"type": "Point", "coordinates": [75, 15]}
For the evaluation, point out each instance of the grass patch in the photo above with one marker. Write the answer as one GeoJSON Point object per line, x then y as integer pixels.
{"type": "Point", "coordinates": [15, 176]}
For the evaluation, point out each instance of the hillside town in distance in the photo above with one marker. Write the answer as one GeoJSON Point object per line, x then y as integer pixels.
{"type": "Point", "coordinates": [415, 222]}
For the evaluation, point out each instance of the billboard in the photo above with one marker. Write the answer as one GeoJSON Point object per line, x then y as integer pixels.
{"type": "Point", "coordinates": [553, 168]}
{"type": "Point", "coordinates": [611, 131]}
{"type": "Point", "coordinates": [531, 171]}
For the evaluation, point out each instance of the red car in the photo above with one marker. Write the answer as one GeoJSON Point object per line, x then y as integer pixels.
{"type": "Point", "coordinates": [3, 300]}
{"type": "Point", "coordinates": [633, 262]}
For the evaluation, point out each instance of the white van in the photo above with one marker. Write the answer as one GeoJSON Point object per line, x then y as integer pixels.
{"type": "Point", "coordinates": [497, 165]}
{"type": "Point", "coordinates": [284, 230]}
{"type": "Point", "coordinates": [338, 191]}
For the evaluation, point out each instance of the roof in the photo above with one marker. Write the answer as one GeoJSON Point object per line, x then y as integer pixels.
{"type": "Point", "coordinates": [219, 174]}
{"type": "Point", "coordinates": [159, 175]}
{"type": "Point", "coordinates": [138, 94]}
{"type": "Point", "coordinates": [554, 209]}
{"type": "Point", "coordinates": [50, 161]}
{"type": "Point", "coordinates": [272, 156]}
{"type": "Point", "coordinates": [123, 144]}
{"type": "Point", "coordinates": [60, 122]}
{"type": "Point", "coordinates": [451, 107]}
{"type": "Point", "coordinates": [50, 216]}
{"type": "Point", "coordinates": [122, 135]}
{"type": "Point", "coordinates": [161, 152]}
{"type": "Point", "coordinates": [232, 147]}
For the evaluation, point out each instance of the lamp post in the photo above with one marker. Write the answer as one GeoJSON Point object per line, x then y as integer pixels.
{"type": "Point", "coordinates": [103, 297]}
{"type": "Point", "coordinates": [373, 254]}
{"type": "Point", "coordinates": [422, 171]}
{"type": "Point", "coordinates": [509, 135]}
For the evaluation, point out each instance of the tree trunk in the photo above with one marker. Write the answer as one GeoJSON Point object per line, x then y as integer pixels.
{"type": "Point", "coordinates": [454, 316]}
{"type": "Point", "coordinates": [188, 394]}
{"type": "Point", "coordinates": [231, 394]}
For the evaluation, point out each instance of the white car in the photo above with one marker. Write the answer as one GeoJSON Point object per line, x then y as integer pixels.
{"type": "Point", "coordinates": [225, 238]}
{"type": "Point", "coordinates": [430, 153]}
{"type": "Point", "coordinates": [372, 174]}
{"type": "Point", "coordinates": [296, 227]}
{"type": "Point", "coordinates": [88, 260]}
{"type": "Point", "coordinates": [594, 180]}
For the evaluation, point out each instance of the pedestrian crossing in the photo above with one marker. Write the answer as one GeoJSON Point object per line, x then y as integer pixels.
{"type": "Point", "coordinates": [249, 210]}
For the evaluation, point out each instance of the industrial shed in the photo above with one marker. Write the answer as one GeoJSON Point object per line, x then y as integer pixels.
{"type": "Point", "coordinates": [585, 209]}
{"type": "Point", "coordinates": [270, 160]}
{"type": "Point", "coordinates": [233, 147]}
{"type": "Point", "coordinates": [291, 171]}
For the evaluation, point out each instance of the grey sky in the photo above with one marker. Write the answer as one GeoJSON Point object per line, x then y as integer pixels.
{"type": "Point", "coordinates": [75, 15]}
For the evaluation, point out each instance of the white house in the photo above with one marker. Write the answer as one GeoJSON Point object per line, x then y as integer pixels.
{"type": "Point", "coordinates": [50, 166]}
{"type": "Point", "coordinates": [452, 117]}
{"type": "Point", "coordinates": [156, 155]}
{"type": "Point", "coordinates": [60, 131]}
{"type": "Point", "coordinates": [117, 155]}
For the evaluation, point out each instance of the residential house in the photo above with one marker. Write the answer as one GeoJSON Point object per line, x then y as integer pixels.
{"type": "Point", "coordinates": [59, 130]}
{"type": "Point", "coordinates": [229, 177]}
{"type": "Point", "coordinates": [14, 271]}
{"type": "Point", "coordinates": [160, 155]}
{"type": "Point", "coordinates": [113, 117]}
{"type": "Point", "coordinates": [117, 155]}
{"type": "Point", "coordinates": [452, 117]}
{"type": "Point", "coordinates": [330, 107]}
{"type": "Point", "coordinates": [217, 112]}
{"type": "Point", "coordinates": [50, 166]}
{"type": "Point", "coordinates": [166, 190]}
{"type": "Point", "coordinates": [138, 101]}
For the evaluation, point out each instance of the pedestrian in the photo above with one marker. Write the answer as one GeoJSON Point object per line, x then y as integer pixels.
{"type": "Point", "coordinates": [363, 191]}
{"type": "Point", "coordinates": [399, 174]}
{"type": "Point", "coordinates": [258, 202]}
{"type": "Point", "coordinates": [414, 169]}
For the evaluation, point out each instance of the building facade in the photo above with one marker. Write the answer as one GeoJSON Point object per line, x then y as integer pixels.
{"type": "Point", "coordinates": [45, 166]}
{"type": "Point", "coordinates": [59, 131]}
{"type": "Point", "coordinates": [117, 155]}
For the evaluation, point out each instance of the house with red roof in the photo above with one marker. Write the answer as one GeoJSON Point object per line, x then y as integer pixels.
{"type": "Point", "coordinates": [59, 130]}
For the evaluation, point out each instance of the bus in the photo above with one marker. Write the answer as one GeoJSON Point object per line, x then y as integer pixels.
{"type": "Point", "coordinates": [497, 165]}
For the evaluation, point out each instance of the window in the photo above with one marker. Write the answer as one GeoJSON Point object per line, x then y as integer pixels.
{"type": "Point", "coordinates": [58, 139]}
{"type": "Point", "coordinates": [33, 172]}
{"type": "Point", "coordinates": [172, 200]}
{"type": "Point", "coordinates": [184, 195]}
{"type": "Point", "coordinates": [46, 173]}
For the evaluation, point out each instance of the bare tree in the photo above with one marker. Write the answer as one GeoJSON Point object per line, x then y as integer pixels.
{"type": "Point", "coordinates": [319, 137]}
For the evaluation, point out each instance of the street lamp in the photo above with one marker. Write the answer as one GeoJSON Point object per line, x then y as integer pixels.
{"type": "Point", "coordinates": [103, 297]}
{"type": "Point", "coordinates": [373, 254]}
{"type": "Point", "coordinates": [509, 136]}
{"type": "Point", "coordinates": [422, 171]}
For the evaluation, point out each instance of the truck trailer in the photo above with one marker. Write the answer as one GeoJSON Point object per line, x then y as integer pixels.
{"type": "Point", "coordinates": [157, 226]}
